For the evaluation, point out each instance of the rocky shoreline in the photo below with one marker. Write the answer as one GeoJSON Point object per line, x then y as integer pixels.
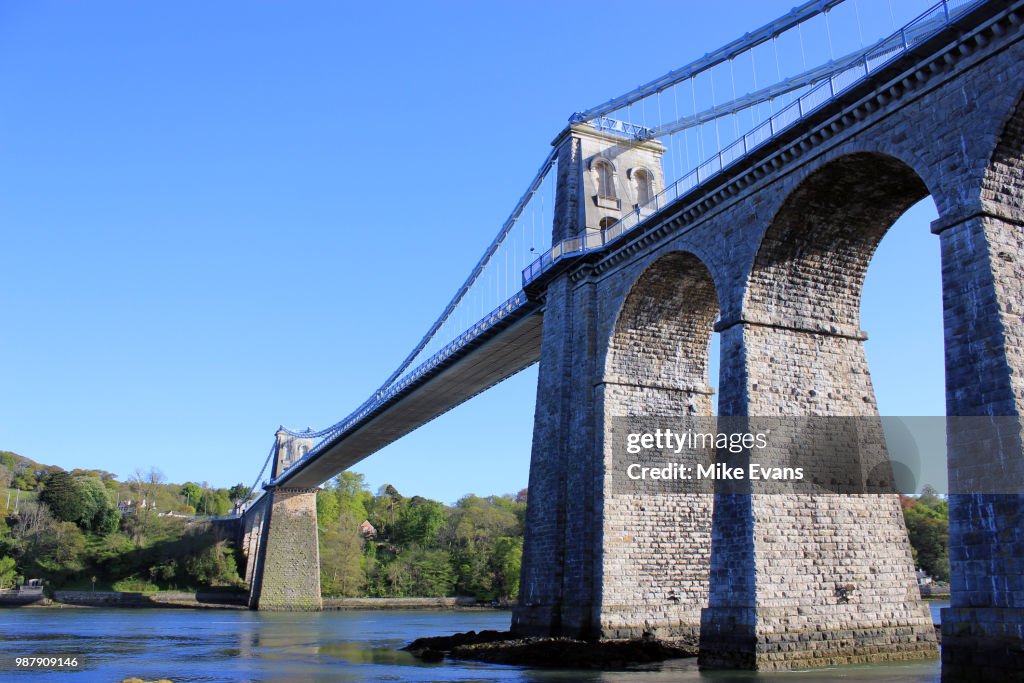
{"type": "Point", "coordinates": [503, 647]}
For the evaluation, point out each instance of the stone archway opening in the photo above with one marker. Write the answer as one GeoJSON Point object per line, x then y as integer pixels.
{"type": "Point", "coordinates": [656, 546]}
{"type": "Point", "coordinates": [807, 281]}
{"type": "Point", "coordinates": [662, 340]}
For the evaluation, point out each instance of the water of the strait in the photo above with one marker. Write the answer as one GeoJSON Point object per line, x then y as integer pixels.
{"type": "Point", "coordinates": [235, 646]}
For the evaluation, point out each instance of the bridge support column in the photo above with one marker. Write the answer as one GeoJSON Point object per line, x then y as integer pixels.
{"type": "Point", "coordinates": [798, 579]}
{"type": "Point", "coordinates": [983, 268]}
{"type": "Point", "coordinates": [566, 576]}
{"type": "Point", "coordinates": [655, 546]}
{"type": "Point", "coordinates": [604, 559]}
{"type": "Point", "coordinates": [286, 575]}
{"type": "Point", "coordinates": [252, 531]}
{"type": "Point", "coordinates": [600, 563]}
{"type": "Point", "coordinates": [539, 609]}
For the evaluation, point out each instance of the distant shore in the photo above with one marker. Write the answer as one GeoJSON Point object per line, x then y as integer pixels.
{"type": "Point", "coordinates": [229, 600]}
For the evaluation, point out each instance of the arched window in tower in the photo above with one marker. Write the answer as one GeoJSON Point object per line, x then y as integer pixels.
{"type": "Point", "coordinates": [607, 222]}
{"type": "Point", "coordinates": [642, 179]}
{"type": "Point", "coordinates": [605, 179]}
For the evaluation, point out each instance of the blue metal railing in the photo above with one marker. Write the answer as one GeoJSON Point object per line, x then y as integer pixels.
{"type": "Point", "coordinates": [623, 128]}
{"type": "Point", "coordinates": [924, 26]}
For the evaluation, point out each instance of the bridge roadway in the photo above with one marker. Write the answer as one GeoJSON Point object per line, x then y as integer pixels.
{"type": "Point", "coordinates": [510, 345]}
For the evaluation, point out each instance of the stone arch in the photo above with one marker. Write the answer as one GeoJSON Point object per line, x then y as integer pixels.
{"type": "Point", "coordinates": [1002, 187]}
{"type": "Point", "coordinates": [604, 177]}
{"type": "Point", "coordinates": [656, 548]}
{"type": "Point", "coordinates": [662, 336]}
{"type": "Point", "coordinates": [802, 302]}
{"type": "Point", "coordinates": [643, 184]}
{"type": "Point", "coordinates": [813, 258]}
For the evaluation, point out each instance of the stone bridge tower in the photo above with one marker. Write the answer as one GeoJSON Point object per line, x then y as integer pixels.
{"type": "Point", "coordinates": [281, 535]}
{"type": "Point", "coordinates": [593, 556]}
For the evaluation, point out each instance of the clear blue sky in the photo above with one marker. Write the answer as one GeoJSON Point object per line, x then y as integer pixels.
{"type": "Point", "coordinates": [217, 217]}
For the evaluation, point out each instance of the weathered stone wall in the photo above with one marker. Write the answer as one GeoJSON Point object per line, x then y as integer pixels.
{"type": "Point", "coordinates": [287, 571]}
{"type": "Point", "coordinates": [983, 301]}
{"type": "Point", "coordinates": [785, 238]}
{"type": "Point", "coordinates": [161, 599]}
{"type": "Point", "coordinates": [655, 549]}
{"type": "Point", "coordinates": [251, 532]}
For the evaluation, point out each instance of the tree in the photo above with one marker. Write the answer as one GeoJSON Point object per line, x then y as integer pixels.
{"type": "Point", "coordinates": [485, 535]}
{"type": "Point", "coordinates": [327, 508]}
{"type": "Point", "coordinates": [32, 518]}
{"type": "Point", "coordinates": [421, 573]}
{"type": "Point", "coordinates": [393, 500]}
{"type": "Point", "coordinates": [191, 492]}
{"type": "Point", "coordinates": [508, 557]}
{"type": "Point", "coordinates": [68, 545]}
{"type": "Point", "coordinates": [101, 515]}
{"type": "Point", "coordinates": [214, 503]}
{"type": "Point", "coordinates": [237, 492]}
{"type": "Point", "coordinates": [927, 522]}
{"type": "Point", "coordinates": [353, 497]}
{"type": "Point", "coordinates": [341, 566]}
{"type": "Point", "coordinates": [25, 479]}
{"type": "Point", "coordinates": [213, 565]}
{"type": "Point", "coordinates": [144, 486]}
{"type": "Point", "coordinates": [8, 574]}
{"type": "Point", "coordinates": [418, 522]}
{"type": "Point", "coordinates": [65, 497]}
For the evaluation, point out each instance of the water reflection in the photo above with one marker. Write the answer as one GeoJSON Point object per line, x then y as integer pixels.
{"type": "Point", "coordinates": [235, 646]}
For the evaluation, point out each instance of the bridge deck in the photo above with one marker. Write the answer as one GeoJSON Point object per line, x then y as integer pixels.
{"type": "Point", "coordinates": [505, 350]}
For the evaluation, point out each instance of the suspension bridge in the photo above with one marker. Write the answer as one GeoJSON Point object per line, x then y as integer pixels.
{"type": "Point", "coordinates": [743, 192]}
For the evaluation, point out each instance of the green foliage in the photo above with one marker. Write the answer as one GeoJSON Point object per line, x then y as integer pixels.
{"type": "Point", "coordinates": [84, 501]}
{"type": "Point", "coordinates": [421, 548]}
{"type": "Point", "coordinates": [237, 492]}
{"type": "Point", "coordinates": [418, 572]}
{"type": "Point", "coordinates": [134, 584]}
{"type": "Point", "coordinates": [213, 565]}
{"type": "Point", "coordinates": [927, 519]}
{"type": "Point", "coordinates": [353, 497]}
{"type": "Point", "coordinates": [214, 503]}
{"type": "Point", "coordinates": [327, 508]}
{"type": "Point", "coordinates": [63, 494]}
{"type": "Point", "coordinates": [508, 557]}
{"type": "Point", "coordinates": [8, 574]}
{"type": "Point", "coordinates": [425, 549]}
{"type": "Point", "coordinates": [341, 562]}
{"type": "Point", "coordinates": [418, 522]}
{"type": "Point", "coordinates": [100, 515]}
{"type": "Point", "coordinates": [191, 492]}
